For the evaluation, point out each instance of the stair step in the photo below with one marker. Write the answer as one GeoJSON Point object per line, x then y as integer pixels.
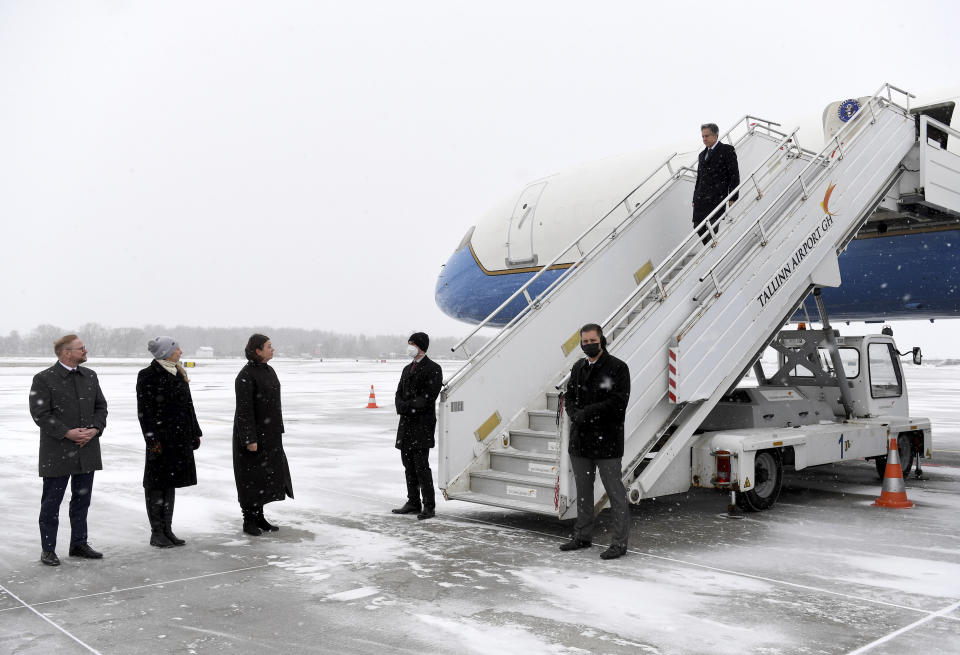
{"type": "Point", "coordinates": [553, 400]}
{"type": "Point", "coordinates": [542, 420]}
{"type": "Point", "coordinates": [507, 503]}
{"type": "Point", "coordinates": [517, 462]}
{"type": "Point", "coordinates": [534, 441]}
{"type": "Point", "coordinates": [510, 486]}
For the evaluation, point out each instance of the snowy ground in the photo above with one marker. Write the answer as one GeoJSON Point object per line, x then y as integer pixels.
{"type": "Point", "coordinates": [823, 572]}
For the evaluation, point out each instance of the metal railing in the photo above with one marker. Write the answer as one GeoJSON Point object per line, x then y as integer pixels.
{"type": "Point", "coordinates": [677, 259]}
{"type": "Point", "coordinates": [751, 123]}
{"type": "Point", "coordinates": [826, 162]}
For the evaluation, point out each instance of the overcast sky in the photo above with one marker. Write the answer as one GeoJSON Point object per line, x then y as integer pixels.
{"type": "Point", "coordinates": [313, 164]}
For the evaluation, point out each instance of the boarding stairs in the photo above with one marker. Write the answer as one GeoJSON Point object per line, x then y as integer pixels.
{"type": "Point", "coordinates": [688, 327]}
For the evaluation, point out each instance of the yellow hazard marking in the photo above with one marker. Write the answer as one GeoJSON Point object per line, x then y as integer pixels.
{"type": "Point", "coordinates": [643, 272]}
{"type": "Point", "coordinates": [571, 343]}
{"type": "Point", "coordinates": [746, 483]}
{"type": "Point", "coordinates": [487, 427]}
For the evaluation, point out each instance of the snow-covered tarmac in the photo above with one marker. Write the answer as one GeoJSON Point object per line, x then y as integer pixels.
{"type": "Point", "coordinates": [822, 572]}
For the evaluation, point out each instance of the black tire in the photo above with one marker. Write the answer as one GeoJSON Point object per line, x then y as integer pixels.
{"type": "Point", "coordinates": [768, 480]}
{"type": "Point", "coordinates": [905, 450]}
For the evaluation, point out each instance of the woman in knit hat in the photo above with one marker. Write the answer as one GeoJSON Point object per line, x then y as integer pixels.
{"type": "Point", "coordinates": [170, 429]}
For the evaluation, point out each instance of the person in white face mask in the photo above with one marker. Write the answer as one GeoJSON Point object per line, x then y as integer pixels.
{"type": "Point", "coordinates": [416, 395]}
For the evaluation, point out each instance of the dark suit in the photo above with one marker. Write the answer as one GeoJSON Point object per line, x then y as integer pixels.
{"type": "Point", "coordinates": [61, 400]}
{"type": "Point", "coordinates": [717, 176]}
{"type": "Point", "coordinates": [417, 392]}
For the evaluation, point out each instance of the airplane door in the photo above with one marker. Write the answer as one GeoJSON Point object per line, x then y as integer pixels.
{"type": "Point", "coordinates": [520, 231]}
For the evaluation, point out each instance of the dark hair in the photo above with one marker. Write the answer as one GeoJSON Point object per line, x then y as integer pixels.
{"type": "Point", "coordinates": [255, 343]}
{"type": "Point", "coordinates": [593, 327]}
{"type": "Point", "coordinates": [710, 126]}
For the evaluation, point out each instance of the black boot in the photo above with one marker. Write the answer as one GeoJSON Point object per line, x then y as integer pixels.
{"type": "Point", "coordinates": [262, 522]}
{"type": "Point", "coordinates": [408, 508]}
{"type": "Point", "coordinates": [169, 495]}
{"type": "Point", "coordinates": [250, 522]}
{"type": "Point", "coordinates": [155, 515]}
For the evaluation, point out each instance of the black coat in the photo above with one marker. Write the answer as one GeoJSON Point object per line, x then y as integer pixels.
{"type": "Point", "coordinates": [263, 475]}
{"type": "Point", "coordinates": [716, 178]}
{"type": "Point", "coordinates": [169, 425]}
{"type": "Point", "coordinates": [596, 402]}
{"type": "Point", "coordinates": [416, 394]}
{"type": "Point", "coordinates": [60, 401]}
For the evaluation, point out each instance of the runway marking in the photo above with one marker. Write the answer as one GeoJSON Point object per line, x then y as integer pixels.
{"type": "Point", "coordinates": [58, 627]}
{"type": "Point", "coordinates": [775, 581]}
{"type": "Point", "coordinates": [906, 628]}
{"type": "Point", "coordinates": [143, 586]}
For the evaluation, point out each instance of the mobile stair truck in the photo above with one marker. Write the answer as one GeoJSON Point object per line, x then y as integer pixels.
{"type": "Point", "coordinates": [691, 319]}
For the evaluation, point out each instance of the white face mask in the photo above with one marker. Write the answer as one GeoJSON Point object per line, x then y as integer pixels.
{"type": "Point", "coordinates": [412, 351]}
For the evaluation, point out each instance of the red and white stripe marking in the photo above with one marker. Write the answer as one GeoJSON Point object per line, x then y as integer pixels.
{"type": "Point", "coordinates": [672, 365]}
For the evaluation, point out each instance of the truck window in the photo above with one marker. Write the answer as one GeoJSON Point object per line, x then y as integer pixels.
{"type": "Point", "coordinates": [885, 377]}
{"type": "Point", "coordinates": [850, 358]}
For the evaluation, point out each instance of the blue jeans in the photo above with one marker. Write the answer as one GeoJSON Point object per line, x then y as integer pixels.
{"type": "Point", "coordinates": [81, 488]}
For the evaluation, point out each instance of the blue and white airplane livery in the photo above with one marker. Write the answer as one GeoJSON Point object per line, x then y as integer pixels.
{"type": "Point", "coordinates": [903, 264]}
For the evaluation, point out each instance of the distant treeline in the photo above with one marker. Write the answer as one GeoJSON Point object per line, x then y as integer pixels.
{"type": "Point", "coordinates": [104, 341]}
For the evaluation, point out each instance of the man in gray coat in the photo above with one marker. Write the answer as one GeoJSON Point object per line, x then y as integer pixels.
{"type": "Point", "coordinates": [67, 404]}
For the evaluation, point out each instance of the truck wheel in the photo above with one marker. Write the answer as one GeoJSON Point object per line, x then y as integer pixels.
{"type": "Point", "coordinates": [905, 451]}
{"type": "Point", "coordinates": [768, 479]}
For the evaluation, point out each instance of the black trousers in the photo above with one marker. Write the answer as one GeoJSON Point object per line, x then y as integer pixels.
{"type": "Point", "coordinates": [700, 211]}
{"type": "Point", "coordinates": [81, 489]}
{"type": "Point", "coordinates": [416, 467]}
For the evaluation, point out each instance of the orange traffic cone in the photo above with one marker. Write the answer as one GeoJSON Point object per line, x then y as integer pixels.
{"type": "Point", "coordinates": [894, 493]}
{"type": "Point", "coordinates": [372, 403]}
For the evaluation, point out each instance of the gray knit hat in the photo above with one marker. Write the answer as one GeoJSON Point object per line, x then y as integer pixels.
{"type": "Point", "coordinates": [161, 347]}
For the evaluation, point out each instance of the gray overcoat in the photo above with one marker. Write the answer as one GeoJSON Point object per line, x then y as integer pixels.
{"type": "Point", "coordinates": [60, 401]}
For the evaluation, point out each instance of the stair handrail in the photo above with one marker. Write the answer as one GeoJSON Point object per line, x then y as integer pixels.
{"type": "Point", "coordinates": [670, 262]}
{"type": "Point", "coordinates": [835, 145]}
{"type": "Point", "coordinates": [751, 122]}
{"type": "Point", "coordinates": [783, 148]}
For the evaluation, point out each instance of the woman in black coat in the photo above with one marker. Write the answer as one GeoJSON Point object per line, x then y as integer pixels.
{"type": "Point", "coordinates": [170, 429]}
{"type": "Point", "coordinates": [259, 463]}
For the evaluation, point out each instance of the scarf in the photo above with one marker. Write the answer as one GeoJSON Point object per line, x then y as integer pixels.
{"type": "Point", "coordinates": [173, 368]}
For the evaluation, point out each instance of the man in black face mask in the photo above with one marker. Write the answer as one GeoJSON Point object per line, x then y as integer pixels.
{"type": "Point", "coordinates": [596, 402]}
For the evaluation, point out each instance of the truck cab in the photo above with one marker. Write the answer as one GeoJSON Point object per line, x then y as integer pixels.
{"type": "Point", "coordinates": [799, 416]}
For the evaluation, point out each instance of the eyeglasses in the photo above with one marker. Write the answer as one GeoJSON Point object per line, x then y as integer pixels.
{"type": "Point", "coordinates": [82, 348]}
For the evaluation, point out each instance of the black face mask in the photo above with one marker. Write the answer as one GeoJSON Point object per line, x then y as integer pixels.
{"type": "Point", "coordinates": [591, 350]}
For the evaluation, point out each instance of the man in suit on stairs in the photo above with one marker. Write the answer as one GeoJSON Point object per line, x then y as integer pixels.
{"type": "Point", "coordinates": [717, 175]}
{"type": "Point", "coordinates": [417, 392]}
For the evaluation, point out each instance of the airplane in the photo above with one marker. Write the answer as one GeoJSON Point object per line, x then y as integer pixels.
{"type": "Point", "coordinates": [903, 264]}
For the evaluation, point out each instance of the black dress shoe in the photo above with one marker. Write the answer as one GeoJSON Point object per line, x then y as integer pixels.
{"type": "Point", "coordinates": [613, 552]}
{"type": "Point", "coordinates": [408, 508]}
{"type": "Point", "coordinates": [84, 550]}
{"type": "Point", "coordinates": [575, 544]}
{"type": "Point", "coordinates": [427, 513]}
{"type": "Point", "coordinates": [49, 558]}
